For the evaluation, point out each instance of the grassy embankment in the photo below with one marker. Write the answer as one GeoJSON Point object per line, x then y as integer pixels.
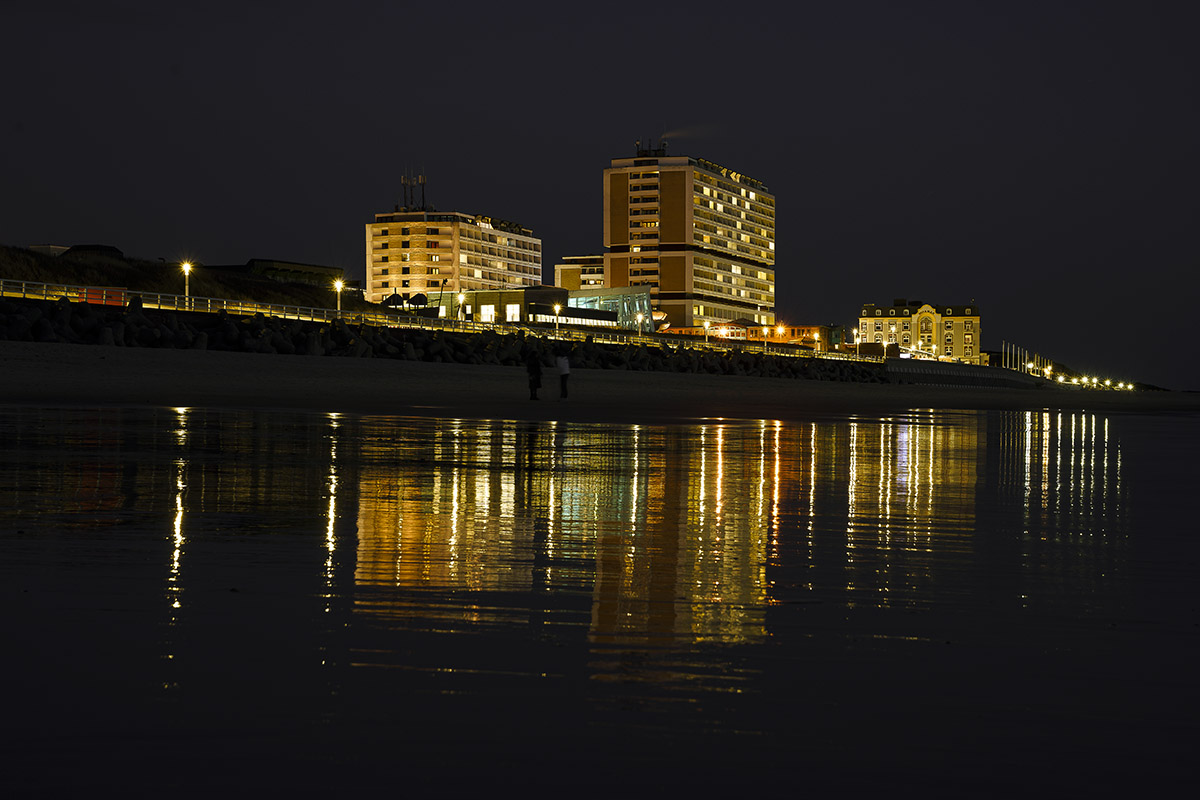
{"type": "Point", "coordinates": [17, 264]}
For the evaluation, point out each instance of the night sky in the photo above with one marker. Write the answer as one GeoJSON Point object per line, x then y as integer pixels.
{"type": "Point", "coordinates": [1038, 159]}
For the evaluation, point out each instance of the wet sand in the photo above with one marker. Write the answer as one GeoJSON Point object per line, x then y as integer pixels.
{"type": "Point", "coordinates": [60, 374]}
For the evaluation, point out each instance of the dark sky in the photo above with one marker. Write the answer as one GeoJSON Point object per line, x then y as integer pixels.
{"type": "Point", "coordinates": [1036, 158]}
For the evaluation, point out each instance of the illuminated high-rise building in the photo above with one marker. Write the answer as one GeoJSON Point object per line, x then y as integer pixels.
{"type": "Point", "coordinates": [413, 252]}
{"type": "Point", "coordinates": [699, 235]}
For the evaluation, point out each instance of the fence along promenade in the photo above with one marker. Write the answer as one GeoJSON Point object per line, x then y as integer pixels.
{"type": "Point", "coordinates": [116, 296]}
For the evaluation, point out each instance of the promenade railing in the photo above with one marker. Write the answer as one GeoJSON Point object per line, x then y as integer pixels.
{"type": "Point", "coordinates": [117, 296]}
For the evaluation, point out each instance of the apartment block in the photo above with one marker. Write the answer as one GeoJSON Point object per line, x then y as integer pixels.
{"type": "Point", "coordinates": [426, 252]}
{"type": "Point", "coordinates": [699, 236]}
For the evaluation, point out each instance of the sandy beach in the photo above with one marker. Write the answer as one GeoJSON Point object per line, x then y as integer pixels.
{"type": "Point", "coordinates": [74, 375]}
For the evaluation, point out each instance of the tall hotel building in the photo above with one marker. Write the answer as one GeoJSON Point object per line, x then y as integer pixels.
{"type": "Point", "coordinates": [700, 236]}
{"type": "Point", "coordinates": [418, 252]}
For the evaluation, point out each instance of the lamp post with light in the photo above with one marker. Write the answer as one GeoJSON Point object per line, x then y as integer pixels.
{"type": "Point", "coordinates": [187, 271]}
{"type": "Point", "coordinates": [639, 319]}
{"type": "Point", "coordinates": [706, 324]}
{"type": "Point", "coordinates": [337, 287]}
{"type": "Point", "coordinates": [557, 311]}
{"type": "Point", "coordinates": [765, 331]}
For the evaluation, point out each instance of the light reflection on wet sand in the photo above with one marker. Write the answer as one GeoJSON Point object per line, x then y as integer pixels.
{"type": "Point", "coordinates": [624, 581]}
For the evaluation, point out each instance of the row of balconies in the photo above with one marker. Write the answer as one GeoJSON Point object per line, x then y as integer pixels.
{"type": "Point", "coordinates": [764, 224]}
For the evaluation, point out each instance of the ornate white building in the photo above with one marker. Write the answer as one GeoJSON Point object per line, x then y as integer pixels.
{"type": "Point", "coordinates": [952, 332]}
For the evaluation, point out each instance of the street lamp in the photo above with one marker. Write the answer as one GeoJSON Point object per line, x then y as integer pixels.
{"type": "Point", "coordinates": [639, 319]}
{"type": "Point", "coordinates": [557, 309]}
{"type": "Point", "coordinates": [337, 287]}
{"type": "Point", "coordinates": [706, 324]}
{"type": "Point", "coordinates": [187, 271]}
{"type": "Point", "coordinates": [765, 330]}
{"type": "Point", "coordinates": [817, 339]}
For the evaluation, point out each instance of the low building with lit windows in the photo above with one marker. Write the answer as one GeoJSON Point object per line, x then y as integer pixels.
{"type": "Point", "coordinates": [924, 329]}
{"type": "Point", "coordinates": [577, 273]}
{"type": "Point", "coordinates": [432, 253]}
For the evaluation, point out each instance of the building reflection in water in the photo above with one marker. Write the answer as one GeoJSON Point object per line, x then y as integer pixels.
{"type": "Point", "coordinates": [651, 537]}
{"type": "Point", "coordinates": [657, 527]}
{"type": "Point", "coordinates": [910, 502]}
{"type": "Point", "coordinates": [1064, 471]}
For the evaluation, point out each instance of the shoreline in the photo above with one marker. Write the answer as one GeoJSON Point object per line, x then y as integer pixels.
{"type": "Point", "coordinates": [54, 374]}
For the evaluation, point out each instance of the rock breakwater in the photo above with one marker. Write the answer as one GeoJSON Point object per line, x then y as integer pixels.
{"type": "Point", "coordinates": [134, 326]}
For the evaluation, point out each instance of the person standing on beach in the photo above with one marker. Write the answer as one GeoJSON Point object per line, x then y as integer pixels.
{"type": "Point", "coordinates": [533, 366]}
{"type": "Point", "coordinates": [564, 371]}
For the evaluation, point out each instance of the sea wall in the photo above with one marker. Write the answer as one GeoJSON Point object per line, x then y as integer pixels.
{"type": "Point", "coordinates": [940, 373]}
{"type": "Point", "coordinates": [133, 326]}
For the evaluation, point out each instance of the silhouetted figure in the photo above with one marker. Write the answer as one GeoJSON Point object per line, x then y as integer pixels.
{"type": "Point", "coordinates": [533, 366]}
{"type": "Point", "coordinates": [564, 371]}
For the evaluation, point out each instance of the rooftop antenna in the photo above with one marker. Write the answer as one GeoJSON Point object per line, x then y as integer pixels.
{"type": "Point", "coordinates": [421, 179]}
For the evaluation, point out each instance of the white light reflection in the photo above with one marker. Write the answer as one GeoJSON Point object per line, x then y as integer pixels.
{"type": "Point", "coordinates": [633, 503]}
{"type": "Point", "coordinates": [174, 588]}
{"type": "Point", "coordinates": [331, 514]}
{"type": "Point", "coordinates": [174, 585]}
